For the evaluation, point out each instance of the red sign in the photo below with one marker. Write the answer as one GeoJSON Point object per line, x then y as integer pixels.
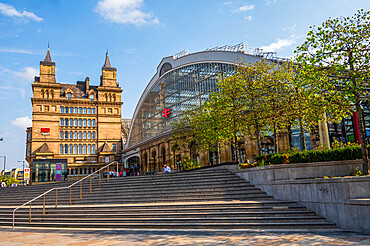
{"type": "Point", "coordinates": [26, 170]}
{"type": "Point", "coordinates": [166, 112]}
{"type": "Point", "coordinates": [45, 130]}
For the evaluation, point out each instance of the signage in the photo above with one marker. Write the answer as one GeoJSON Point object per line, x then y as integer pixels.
{"type": "Point", "coordinates": [166, 112]}
{"type": "Point", "coordinates": [58, 176]}
{"type": "Point", "coordinates": [45, 131]}
{"type": "Point", "coordinates": [26, 174]}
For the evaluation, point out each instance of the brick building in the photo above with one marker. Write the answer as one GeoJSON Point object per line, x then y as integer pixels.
{"type": "Point", "coordinates": [77, 126]}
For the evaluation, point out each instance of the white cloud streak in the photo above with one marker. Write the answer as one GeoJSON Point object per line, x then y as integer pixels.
{"type": "Point", "coordinates": [248, 18]}
{"type": "Point", "coordinates": [245, 8]}
{"type": "Point", "coordinates": [279, 44]}
{"type": "Point", "coordinates": [9, 10]}
{"type": "Point", "coordinates": [124, 12]}
{"type": "Point", "coordinates": [22, 122]}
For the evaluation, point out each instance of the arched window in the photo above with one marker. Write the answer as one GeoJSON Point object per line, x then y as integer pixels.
{"type": "Point", "coordinates": [70, 149]}
{"type": "Point", "coordinates": [92, 97]}
{"type": "Point", "coordinates": [71, 122]}
{"type": "Point", "coordinates": [80, 110]}
{"type": "Point", "coordinates": [62, 110]}
{"type": "Point", "coordinates": [93, 123]}
{"type": "Point", "coordinates": [66, 122]}
{"type": "Point", "coordinates": [89, 149]}
{"type": "Point", "coordinates": [65, 135]}
{"type": "Point", "coordinates": [61, 122]}
{"type": "Point", "coordinates": [80, 122]}
{"type": "Point", "coordinates": [89, 135]}
{"type": "Point", "coordinates": [67, 110]}
{"type": "Point", "coordinates": [93, 110]}
{"type": "Point", "coordinates": [80, 148]}
{"type": "Point", "coordinates": [75, 149]}
{"type": "Point", "coordinates": [93, 135]}
{"type": "Point", "coordinates": [61, 135]}
{"type": "Point", "coordinates": [69, 96]}
{"type": "Point", "coordinates": [89, 110]}
{"type": "Point", "coordinates": [70, 135]}
{"type": "Point", "coordinates": [61, 149]}
{"type": "Point", "coordinates": [75, 110]}
{"type": "Point", "coordinates": [84, 122]}
{"type": "Point", "coordinates": [66, 149]}
{"type": "Point", "coordinates": [84, 149]}
{"type": "Point", "coordinates": [75, 135]}
{"type": "Point", "coordinates": [79, 135]}
{"type": "Point", "coordinates": [89, 123]}
{"type": "Point", "coordinates": [84, 110]}
{"type": "Point", "coordinates": [75, 124]}
{"type": "Point", "coordinates": [84, 135]}
{"type": "Point", "coordinates": [93, 149]}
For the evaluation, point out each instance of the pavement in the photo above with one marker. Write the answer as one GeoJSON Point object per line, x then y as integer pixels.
{"type": "Point", "coordinates": [24, 236]}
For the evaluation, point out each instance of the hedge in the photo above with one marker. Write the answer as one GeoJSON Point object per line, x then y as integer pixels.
{"type": "Point", "coordinates": [339, 154]}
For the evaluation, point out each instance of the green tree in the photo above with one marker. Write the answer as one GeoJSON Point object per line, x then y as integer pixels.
{"type": "Point", "coordinates": [340, 51]}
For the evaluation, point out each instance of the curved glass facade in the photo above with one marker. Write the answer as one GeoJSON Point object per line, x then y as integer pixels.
{"type": "Point", "coordinates": [177, 90]}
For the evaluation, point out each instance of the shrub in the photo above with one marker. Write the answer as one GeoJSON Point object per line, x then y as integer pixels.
{"type": "Point", "coordinates": [190, 164]}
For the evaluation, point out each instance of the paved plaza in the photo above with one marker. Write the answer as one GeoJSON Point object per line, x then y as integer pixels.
{"type": "Point", "coordinates": [177, 237]}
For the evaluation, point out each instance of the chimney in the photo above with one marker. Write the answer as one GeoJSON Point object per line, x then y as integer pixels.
{"type": "Point", "coordinates": [87, 84]}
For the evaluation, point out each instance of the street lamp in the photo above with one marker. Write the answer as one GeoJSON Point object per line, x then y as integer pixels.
{"type": "Point", "coordinates": [4, 161]}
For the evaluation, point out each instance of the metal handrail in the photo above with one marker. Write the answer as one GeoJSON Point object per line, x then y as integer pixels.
{"type": "Point", "coordinates": [62, 188]}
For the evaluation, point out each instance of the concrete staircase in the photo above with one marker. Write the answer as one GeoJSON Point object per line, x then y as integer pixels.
{"type": "Point", "coordinates": [202, 199]}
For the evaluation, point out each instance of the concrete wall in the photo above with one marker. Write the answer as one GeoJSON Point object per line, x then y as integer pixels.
{"type": "Point", "coordinates": [344, 201]}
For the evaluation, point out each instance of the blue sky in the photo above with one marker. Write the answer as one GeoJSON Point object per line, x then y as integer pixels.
{"type": "Point", "coordinates": [138, 34]}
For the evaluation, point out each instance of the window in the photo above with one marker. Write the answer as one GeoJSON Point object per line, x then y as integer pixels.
{"type": "Point", "coordinates": [61, 149]}
{"type": "Point", "coordinates": [71, 122]}
{"type": "Point", "coordinates": [89, 149]}
{"type": "Point", "coordinates": [84, 122]}
{"type": "Point", "coordinates": [61, 122]}
{"type": "Point", "coordinates": [89, 135]}
{"type": "Point", "coordinates": [75, 135]}
{"type": "Point", "coordinates": [93, 123]}
{"type": "Point", "coordinates": [69, 96]}
{"type": "Point", "coordinates": [93, 135]}
{"type": "Point", "coordinates": [65, 135]}
{"type": "Point", "coordinates": [66, 149]}
{"type": "Point", "coordinates": [61, 135]}
{"type": "Point", "coordinates": [89, 123]}
{"type": "Point", "coordinates": [80, 122]}
{"type": "Point", "coordinates": [89, 110]}
{"type": "Point", "coordinates": [66, 110]}
{"type": "Point", "coordinates": [75, 124]}
{"type": "Point", "coordinates": [62, 110]}
{"type": "Point", "coordinates": [114, 147]}
{"type": "Point", "coordinates": [84, 135]}
{"type": "Point", "coordinates": [93, 149]}
{"type": "Point", "coordinates": [70, 135]}
{"type": "Point", "coordinates": [70, 149]}
{"type": "Point", "coordinates": [93, 110]}
{"type": "Point", "coordinates": [75, 149]}
{"type": "Point", "coordinates": [84, 110]}
{"type": "Point", "coordinates": [80, 148]}
{"type": "Point", "coordinates": [80, 110]}
{"type": "Point", "coordinates": [66, 122]}
{"type": "Point", "coordinates": [84, 149]}
{"type": "Point", "coordinates": [92, 97]}
{"type": "Point", "coordinates": [75, 109]}
{"type": "Point", "coordinates": [80, 135]}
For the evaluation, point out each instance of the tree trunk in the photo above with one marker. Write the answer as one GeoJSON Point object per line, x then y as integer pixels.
{"type": "Point", "coordinates": [303, 139]}
{"type": "Point", "coordinates": [365, 160]}
{"type": "Point", "coordinates": [235, 142]}
{"type": "Point", "coordinates": [289, 136]}
{"type": "Point", "coordinates": [275, 139]}
{"type": "Point", "coordinates": [258, 137]}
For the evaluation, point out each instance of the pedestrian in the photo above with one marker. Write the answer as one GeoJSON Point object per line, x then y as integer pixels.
{"type": "Point", "coordinates": [3, 184]}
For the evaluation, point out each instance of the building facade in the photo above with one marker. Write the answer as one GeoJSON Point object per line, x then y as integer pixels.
{"type": "Point", "coordinates": [77, 126]}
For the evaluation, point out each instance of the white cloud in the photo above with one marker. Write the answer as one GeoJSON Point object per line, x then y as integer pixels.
{"type": "Point", "coordinates": [20, 51]}
{"type": "Point", "coordinates": [124, 12]}
{"type": "Point", "coordinates": [27, 73]}
{"type": "Point", "coordinates": [245, 8]}
{"type": "Point", "coordinates": [22, 122]}
{"type": "Point", "coordinates": [279, 44]}
{"type": "Point", "coordinates": [226, 3]}
{"type": "Point", "coordinates": [248, 18]}
{"type": "Point", "coordinates": [290, 28]}
{"type": "Point", "coordinates": [9, 10]}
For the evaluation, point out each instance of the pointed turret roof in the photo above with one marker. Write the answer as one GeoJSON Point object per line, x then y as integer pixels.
{"type": "Point", "coordinates": [43, 149]}
{"type": "Point", "coordinates": [104, 148]}
{"type": "Point", "coordinates": [48, 57]}
{"type": "Point", "coordinates": [107, 62]}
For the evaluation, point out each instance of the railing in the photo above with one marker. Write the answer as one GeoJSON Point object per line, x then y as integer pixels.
{"type": "Point", "coordinates": [63, 188]}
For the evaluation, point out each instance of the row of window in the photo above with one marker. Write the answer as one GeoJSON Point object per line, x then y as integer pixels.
{"type": "Point", "coordinates": [77, 135]}
{"type": "Point", "coordinates": [77, 122]}
{"type": "Point", "coordinates": [75, 110]}
{"type": "Point", "coordinates": [69, 149]}
{"type": "Point", "coordinates": [69, 96]}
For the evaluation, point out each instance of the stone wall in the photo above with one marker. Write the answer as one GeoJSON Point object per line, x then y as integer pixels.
{"type": "Point", "coordinates": [344, 201]}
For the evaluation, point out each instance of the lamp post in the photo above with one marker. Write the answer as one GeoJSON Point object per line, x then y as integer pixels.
{"type": "Point", "coordinates": [23, 169]}
{"type": "Point", "coordinates": [4, 161]}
